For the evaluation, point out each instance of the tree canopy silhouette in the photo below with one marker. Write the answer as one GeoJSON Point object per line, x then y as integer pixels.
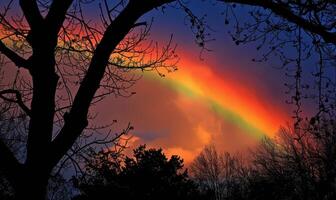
{"type": "Point", "coordinates": [149, 174]}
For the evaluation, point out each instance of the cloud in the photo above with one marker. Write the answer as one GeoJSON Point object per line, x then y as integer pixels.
{"type": "Point", "coordinates": [166, 119]}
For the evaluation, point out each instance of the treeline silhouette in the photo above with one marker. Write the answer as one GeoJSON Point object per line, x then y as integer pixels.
{"type": "Point", "coordinates": [65, 63]}
{"type": "Point", "coordinates": [298, 164]}
{"type": "Point", "coordinates": [149, 174]}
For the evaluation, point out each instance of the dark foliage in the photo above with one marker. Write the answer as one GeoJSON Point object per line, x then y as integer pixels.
{"type": "Point", "coordinates": [149, 174]}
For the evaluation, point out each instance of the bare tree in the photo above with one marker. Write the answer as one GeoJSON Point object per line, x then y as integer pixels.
{"type": "Point", "coordinates": [65, 63]}
{"type": "Point", "coordinates": [299, 164]}
{"type": "Point", "coordinates": [315, 17]}
{"type": "Point", "coordinates": [219, 173]}
{"type": "Point", "coordinates": [302, 36]}
{"type": "Point", "coordinates": [207, 169]}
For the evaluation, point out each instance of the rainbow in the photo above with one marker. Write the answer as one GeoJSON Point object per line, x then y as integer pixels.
{"type": "Point", "coordinates": [232, 101]}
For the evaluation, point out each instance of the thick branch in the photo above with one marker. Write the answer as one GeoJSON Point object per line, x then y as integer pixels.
{"type": "Point", "coordinates": [76, 120]}
{"type": "Point", "coordinates": [31, 13]}
{"type": "Point", "coordinates": [45, 79]}
{"type": "Point", "coordinates": [56, 15]}
{"type": "Point", "coordinates": [15, 58]}
{"type": "Point", "coordinates": [18, 99]}
{"type": "Point", "coordinates": [283, 11]}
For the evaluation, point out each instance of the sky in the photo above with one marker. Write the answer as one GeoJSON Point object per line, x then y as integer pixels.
{"type": "Point", "coordinates": [220, 97]}
{"type": "Point", "coordinates": [215, 97]}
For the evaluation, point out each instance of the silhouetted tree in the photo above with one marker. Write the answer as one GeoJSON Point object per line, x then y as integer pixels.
{"type": "Point", "coordinates": [64, 64]}
{"type": "Point", "coordinates": [303, 35]}
{"type": "Point", "coordinates": [208, 169]}
{"type": "Point", "coordinates": [61, 52]}
{"type": "Point", "coordinates": [315, 17]}
{"type": "Point", "coordinates": [149, 174]}
{"type": "Point", "coordinates": [219, 174]}
{"type": "Point", "coordinates": [300, 164]}
{"type": "Point", "coordinates": [297, 36]}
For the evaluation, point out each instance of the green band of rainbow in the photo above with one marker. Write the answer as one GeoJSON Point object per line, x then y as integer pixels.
{"type": "Point", "coordinates": [238, 106]}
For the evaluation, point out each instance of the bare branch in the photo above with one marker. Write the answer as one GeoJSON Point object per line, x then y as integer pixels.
{"type": "Point", "coordinates": [32, 13]}
{"type": "Point", "coordinates": [18, 99]}
{"type": "Point", "coordinates": [284, 11]}
{"type": "Point", "coordinates": [76, 119]}
{"type": "Point", "coordinates": [56, 14]}
{"type": "Point", "coordinates": [14, 57]}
